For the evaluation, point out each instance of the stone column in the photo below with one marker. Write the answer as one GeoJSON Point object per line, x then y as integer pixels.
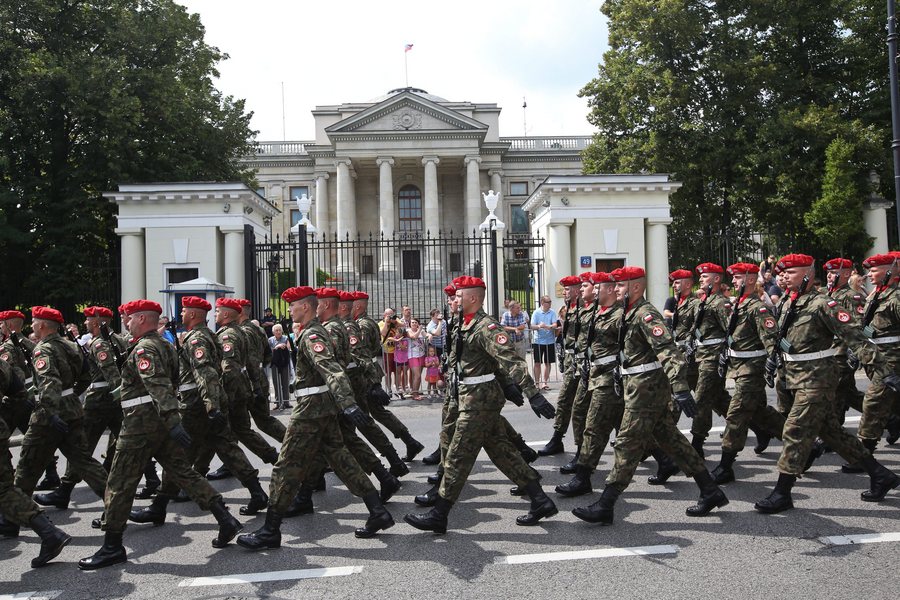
{"type": "Point", "coordinates": [473, 210]}
{"type": "Point", "coordinates": [134, 272]}
{"type": "Point", "coordinates": [875, 222]}
{"type": "Point", "coordinates": [234, 260]}
{"type": "Point", "coordinates": [657, 252]}
{"type": "Point", "coordinates": [322, 204]}
{"type": "Point", "coordinates": [559, 253]}
{"type": "Point", "coordinates": [386, 210]}
{"type": "Point", "coordinates": [430, 211]}
{"type": "Point", "coordinates": [346, 210]}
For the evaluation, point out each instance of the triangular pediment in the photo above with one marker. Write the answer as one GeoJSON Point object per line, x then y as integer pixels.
{"type": "Point", "coordinates": [405, 112]}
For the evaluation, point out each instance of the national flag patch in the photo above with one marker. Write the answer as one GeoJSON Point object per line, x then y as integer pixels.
{"type": "Point", "coordinates": [762, 309]}
{"type": "Point", "coordinates": [832, 303]}
{"type": "Point", "coordinates": [492, 326]}
{"type": "Point", "coordinates": [648, 318]}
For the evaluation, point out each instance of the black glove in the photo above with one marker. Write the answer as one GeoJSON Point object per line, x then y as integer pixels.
{"type": "Point", "coordinates": [181, 436]}
{"type": "Point", "coordinates": [852, 360]}
{"type": "Point", "coordinates": [58, 424]}
{"type": "Point", "coordinates": [771, 367]}
{"type": "Point", "coordinates": [355, 416]}
{"type": "Point", "coordinates": [685, 401]}
{"type": "Point", "coordinates": [29, 402]}
{"type": "Point", "coordinates": [380, 396]}
{"type": "Point", "coordinates": [260, 397]}
{"type": "Point", "coordinates": [723, 364]}
{"type": "Point", "coordinates": [217, 419]}
{"type": "Point", "coordinates": [541, 407]}
{"type": "Point", "coordinates": [892, 381]}
{"type": "Point", "coordinates": [513, 393]}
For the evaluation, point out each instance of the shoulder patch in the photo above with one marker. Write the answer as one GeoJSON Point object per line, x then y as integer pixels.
{"type": "Point", "coordinates": [501, 338]}
{"type": "Point", "coordinates": [648, 318]}
{"type": "Point", "coordinates": [656, 331]}
{"type": "Point", "coordinates": [860, 309]}
{"type": "Point", "coordinates": [354, 340]}
{"type": "Point", "coordinates": [227, 347]}
{"type": "Point", "coordinates": [318, 347]}
{"type": "Point", "coordinates": [5, 356]}
{"type": "Point", "coordinates": [102, 355]}
{"type": "Point", "coordinates": [769, 323]}
{"type": "Point", "coordinates": [198, 353]}
{"type": "Point", "coordinates": [40, 363]}
{"type": "Point", "coordinates": [843, 317]}
{"type": "Point", "coordinates": [143, 364]}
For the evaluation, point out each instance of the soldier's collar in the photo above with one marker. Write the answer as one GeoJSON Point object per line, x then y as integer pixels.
{"type": "Point", "coordinates": [631, 307]}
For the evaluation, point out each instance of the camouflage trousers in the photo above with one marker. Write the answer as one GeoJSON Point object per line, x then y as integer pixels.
{"type": "Point", "coordinates": [813, 413]}
{"type": "Point", "coordinates": [371, 431]}
{"type": "Point", "coordinates": [580, 408]}
{"type": "Point", "coordinates": [42, 441]}
{"type": "Point", "coordinates": [566, 399]}
{"type": "Point", "coordinates": [100, 412]}
{"type": "Point", "coordinates": [783, 397]}
{"type": "Point", "coordinates": [879, 403]}
{"type": "Point", "coordinates": [14, 504]}
{"type": "Point", "coordinates": [16, 414]}
{"type": "Point", "coordinates": [711, 396]}
{"type": "Point", "coordinates": [604, 414]}
{"type": "Point", "coordinates": [133, 449]}
{"type": "Point", "coordinates": [205, 439]}
{"type": "Point", "coordinates": [258, 406]}
{"type": "Point", "coordinates": [390, 421]}
{"type": "Point", "coordinates": [476, 430]}
{"type": "Point", "coordinates": [239, 421]}
{"type": "Point", "coordinates": [360, 450]}
{"type": "Point", "coordinates": [449, 416]}
{"type": "Point", "coordinates": [749, 407]}
{"type": "Point", "coordinates": [306, 439]}
{"type": "Point", "coordinates": [848, 395]}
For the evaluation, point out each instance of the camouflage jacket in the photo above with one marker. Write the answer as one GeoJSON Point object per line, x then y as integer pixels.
{"type": "Point", "coordinates": [585, 315]}
{"type": "Point", "coordinates": [255, 350]}
{"type": "Point", "coordinates": [647, 340]}
{"type": "Point", "coordinates": [361, 374]}
{"type": "Point", "coordinates": [104, 369]}
{"type": "Point", "coordinates": [713, 327]}
{"type": "Point", "coordinates": [855, 304]}
{"type": "Point", "coordinates": [151, 369]}
{"type": "Point", "coordinates": [58, 365]}
{"type": "Point", "coordinates": [486, 350]}
{"type": "Point", "coordinates": [341, 349]}
{"type": "Point", "coordinates": [16, 359]}
{"type": "Point", "coordinates": [233, 343]}
{"type": "Point", "coordinates": [886, 324]}
{"type": "Point", "coordinates": [200, 360]}
{"type": "Point", "coordinates": [571, 327]}
{"type": "Point", "coordinates": [605, 345]}
{"type": "Point", "coordinates": [754, 333]}
{"type": "Point", "coordinates": [818, 320]}
{"type": "Point", "coordinates": [318, 367]}
{"type": "Point", "coordinates": [683, 319]}
{"type": "Point", "coordinates": [370, 346]}
{"type": "Point", "coordinates": [7, 375]}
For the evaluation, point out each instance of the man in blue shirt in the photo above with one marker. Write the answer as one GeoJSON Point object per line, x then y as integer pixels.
{"type": "Point", "coordinates": [545, 322]}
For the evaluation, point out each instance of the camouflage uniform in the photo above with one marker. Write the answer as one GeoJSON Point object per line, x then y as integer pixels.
{"type": "Point", "coordinates": [682, 325]}
{"type": "Point", "coordinates": [582, 397]}
{"type": "Point", "coordinates": [710, 391]}
{"type": "Point", "coordinates": [150, 408]}
{"type": "Point", "coordinates": [646, 421]}
{"type": "Point", "coordinates": [258, 350]}
{"type": "Point", "coordinates": [847, 395]}
{"type": "Point", "coordinates": [15, 505]}
{"type": "Point", "coordinates": [571, 377]}
{"type": "Point", "coordinates": [16, 411]}
{"type": "Point", "coordinates": [486, 349]}
{"type": "Point", "coordinates": [322, 391]}
{"type": "Point", "coordinates": [880, 401]}
{"type": "Point", "coordinates": [57, 364]}
{"type": "Point", "coordinates": [200, 392]}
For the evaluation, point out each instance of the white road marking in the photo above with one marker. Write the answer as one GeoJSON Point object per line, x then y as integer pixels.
{"type": "Point", "coordinates": [861, 538]}
{"type": "Point", "coordinates": [270, 576]}
{"type": "Point", "coordinates": [32, 595]}
{"type": "Point", "coordinates": [522, 559]}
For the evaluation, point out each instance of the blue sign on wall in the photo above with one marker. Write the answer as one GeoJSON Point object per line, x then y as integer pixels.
{"type": "Point", "coordinates": [586, 262]}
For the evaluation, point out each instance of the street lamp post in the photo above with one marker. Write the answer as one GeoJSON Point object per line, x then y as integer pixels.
{"type": "Point", "coordinates": [895, 103]}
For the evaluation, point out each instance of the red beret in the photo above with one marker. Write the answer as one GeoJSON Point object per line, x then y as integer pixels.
{"type": "Point", "coordinates": [360, 295]}
{"type": "Point", "coordinates": [346, 296]}
{"type": "Point", "coordinates": [878, 260]}
{"type": "Point", "coordinates": [838, 263]}
{"type": "Point", "coordinates": [122, 309]}
{"type": "Point", "coordinates": [795, 260]}
{"type": "Point", "coordinates": [586, 276]}
{"type": "Point", "coordinates": [628, 273]}
{"type": "Point", "coordinates": [136, 306]}
{"type": "Point", "coordinates": [326, 292]}
{"type": "Point", "coordinates": [195, 302]}
{"type": "Point", "coordinates": [467, 282]}
{"type": "Point", "coordinates": [680, 274]}
{"type": "Point", "coordinates": [743, 269]}
{"type": "Point", "coordinates": [102, 312]}
{"type": "Point", "coordinates": [231, 303]}
{"type": "Point", "coordinates": [89, 311]}
{"type": "Point", "coordinates": [244, 302]}
{"type": "Point", "coordinates": [709, 268]}
{"type": "Point", "coordinates": [11, 314]}
{"type": "Point", "coordinates": [297, 293]}
{"type": "Point", "coordinates": [44, 312]}
{"type": "Point", "coordinates": [570, 281]}
{"type": "Point", "coordinates": [450, 290]}
{"type": "Point", "coordinates": [601, 277]}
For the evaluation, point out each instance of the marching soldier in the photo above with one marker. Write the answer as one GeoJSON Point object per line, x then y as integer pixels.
{"type": "Point", "coordinates": [808, 325]}
{"type": "Point", "coordinates": [485, 349]}
{"type": "Point", "coordinates": [323, 392]}
{"type": "Point", "coordinates": [652, 370]}
{"type": "Point", "coordinates": [259, 355]}
{"type": "Point", "coordinates": [686, 304]}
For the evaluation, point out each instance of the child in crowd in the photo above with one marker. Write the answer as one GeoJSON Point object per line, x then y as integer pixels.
{"type": "Point", "coordinates": [433, 371]}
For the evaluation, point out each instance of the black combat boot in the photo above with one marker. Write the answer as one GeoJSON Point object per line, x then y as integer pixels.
{"type": "Point", "coordinates": [554, 446]}
{"type": "Point", "coordinates": [815, 453]}
{"type": "Point", "coordinates": [112, 552]}
{"type": "Point", "coordinates": [53, 540]}
{"type": "Point", "coordinates": [433, 458]}
{"type": "Point", "coordinates": [529, 454]}
{"type": "Point", "coordinates": [398, 468]}
{"type": "Point", "coordinates": [580, 484]}
{"type": "Point", "coordinates": [858, 467]}
{"type": "Point", "coordinates": [724, 473]}
{"type": "Point", "coordinates": [435, 519]}
{"type": "Point", "coordinates": [711, 496]}
{"type": "Point", "coordinates": [413, 446]}
{"type": "Point", "coordinates": [389, 483]}
{"type": "Point", "coordinates": [882, 480]}
{"type": "Point", "coordinates": [258, 499]}
{"type": "Point", "coordinates": [762, 440]}
{"type": "Point", "coordinates": [542, 506]}
{"type": "Point", "coordinates": [181, 496]}
{"type": "Point", "coordinates": [220, 473]}
{"type": "Point", "coordinates": [51, 477]}
{"type": "Point", "coordinates": [379, 517]}
{"type": "Point", "coordinates": [8, 529]}
{"type": "Point", "coordinates": [569, 467]}
{"type": "Point", "coordinates": [302, 504]}
{"type": "Point", "coordinates": [151, 481]}
{"type": "Point", "coordinates": [600, 511]}
{"type": "Point", "coordinates": [893, 430]}
{"type": "Point", "coordinates": [665, 468]}
{"type": "Point", "coordinates": [697, 443]}
{"type": "Point", "coordinates": [58, 498]}
{"type": "Point", "coordinates": [155, 513]}
{"type": "Point", "coordinates": [429, 497]}
{"type": "Point", "coordinates": [267, 536]}
{"type": "Point", "coordinates": [780, 498]}
{"type": "Point", "coordinates": [228, 525]}
{"type": "Point", "coordinates": [271, 456]}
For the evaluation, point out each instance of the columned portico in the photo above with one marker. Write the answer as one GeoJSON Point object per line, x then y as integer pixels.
{"type": "Point", "coordinates": [657, 253]}
{"type": "Point", "coordinates": [386, 208]}
{"type": "Point", "coordinates": [322, 203]}
{"type": "Point", "coordinates": [134, 261]}
{"type": "Point", "coordinates": [496, 185]}
{"type": "Point", "coordinates": [473, 194]}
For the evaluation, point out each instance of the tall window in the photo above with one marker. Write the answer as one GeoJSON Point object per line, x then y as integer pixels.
{"type": "Point", "coordinates": [296, 191]}
{"type": "Point", "coordinates": [519, 219]}
{"type": "Point", "coordinates": [410, 199]}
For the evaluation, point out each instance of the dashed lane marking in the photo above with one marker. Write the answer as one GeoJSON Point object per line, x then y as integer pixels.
{"type": "Point", "coordinates": [32, 595]}
{"type": "Point", "coordinates": [861, 538]}
{"type": "Point", "coordinates": [522, 559]}
{"type": "Point", "coordinates": [270, 576]}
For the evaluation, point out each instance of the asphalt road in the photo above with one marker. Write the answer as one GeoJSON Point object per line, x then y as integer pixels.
{"type": "Point", "coordinates": [653, 550]}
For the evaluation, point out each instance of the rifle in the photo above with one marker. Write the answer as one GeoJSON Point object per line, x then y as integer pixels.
{"type": "Point", "coordinates": [868, 330]}
{"type": "Point", "coordinates": [81, 384]}
{"type": "Point", "coordinates": [17, 342]}
{"type": "Point", "coordinates": [566, 327]}
{"type": "Point", "coordinates": [586, 362]}
{"type": "Point", "coordinates": [107, 337]}
{"type": "Point", "coordinates": [725, 356]}
{"type": "Point", "coordinates": [172, 328]}
{"type": "Point", "coordinates": [690, 345]}
{"type": "Point", "coordinates": [780, 343]}
{"type": "Point", "coordinates": [445, 356]}
{"type": "Point", "coordinates": [617, 372]}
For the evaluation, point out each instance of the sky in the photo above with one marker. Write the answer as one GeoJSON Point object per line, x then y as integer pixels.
{"type": "Point", "coordinates": [326, 52]}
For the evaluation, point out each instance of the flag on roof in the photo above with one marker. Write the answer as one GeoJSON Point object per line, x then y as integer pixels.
{"type": "Point", "coordinates": [408, 48]}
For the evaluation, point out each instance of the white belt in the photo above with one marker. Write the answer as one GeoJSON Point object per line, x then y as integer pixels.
{"type": "Point", "coordinates": [67, 392]}
{"type": "Point", "coordinates": [309, 391]}
{"type": "Point", "coordinates": [375, 359]}
{"type": "Point", "coordinates": [579, 355]}
{"type": "Point", "coordinates": [352, 365]}
{"type": "Point", "coordinates": [99, 384]}
{"type": "Point", "coordinates": [642, 368]}
{"type": "Point", "coordinates": [681, 344]}
{"type": "Point", "coordinates": [809, 355]}
{"type": "Point", "coordinates": [569, 351]}
{"type": "Point", "coordinates": [136, 401]}
{"type": "Point", "coordinates": [599, 362]}
{"type": "Point", "coordinates": [886, 340]}
{"type": "Point", "coordinates": [746, 353]}
{"type": "Point", "coordinates": [29, 380]}
{"type": "Point", "coordinates": [186, 387]}
{"type": "Point", "coordinates": [477, 380]}
{"type": "Point", "coordinates": [711, 342]}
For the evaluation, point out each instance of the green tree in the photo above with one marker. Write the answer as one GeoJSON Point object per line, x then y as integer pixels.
{"type": "Point", "coordinates": [95, 93]}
